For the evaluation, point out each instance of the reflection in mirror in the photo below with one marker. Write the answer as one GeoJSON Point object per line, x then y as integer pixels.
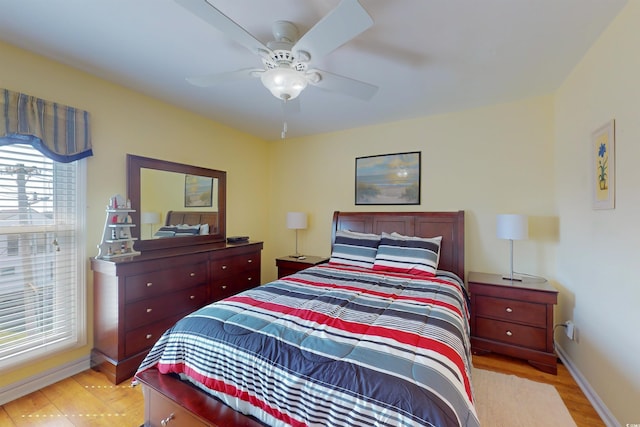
{"type": "Point", "coordinates": [172, 194]}
{"type": "Point", "coordinates": [162, 192]}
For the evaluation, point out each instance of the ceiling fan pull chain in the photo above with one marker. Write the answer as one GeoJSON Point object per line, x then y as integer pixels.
{"type": "Point", "coordinates": [283, 134]}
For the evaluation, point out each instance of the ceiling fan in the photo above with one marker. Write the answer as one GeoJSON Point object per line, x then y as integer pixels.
{"type": "Point", "coordinates": [286, 59]}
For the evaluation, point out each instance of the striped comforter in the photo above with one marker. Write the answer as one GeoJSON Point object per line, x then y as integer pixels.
{"type": "Point", "coordinates": [332, 346]}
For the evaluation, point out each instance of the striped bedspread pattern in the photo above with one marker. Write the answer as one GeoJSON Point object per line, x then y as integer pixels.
{"type": "Point", "coordinates": [332, 346]}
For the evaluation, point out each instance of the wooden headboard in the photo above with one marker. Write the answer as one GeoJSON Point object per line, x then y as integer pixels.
{"type": "Point", "coordinates": [449, 225]}
{"type": "Point", "coordinates": [193, 218]}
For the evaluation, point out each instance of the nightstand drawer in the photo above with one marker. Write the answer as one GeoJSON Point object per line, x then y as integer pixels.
{"type": "Point", "coordinates": [511, 333]}
{"type": "Point", "coordinates": [511, 310]}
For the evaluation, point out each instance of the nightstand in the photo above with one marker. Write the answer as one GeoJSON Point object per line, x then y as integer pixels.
{"type": "Point", "coordinates": [513, 318]}
{"type": "Point", "coordinates": [288, 265]}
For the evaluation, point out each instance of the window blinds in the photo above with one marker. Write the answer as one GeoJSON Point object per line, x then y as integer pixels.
{"type": "Point", "coordinates": [41, 254]}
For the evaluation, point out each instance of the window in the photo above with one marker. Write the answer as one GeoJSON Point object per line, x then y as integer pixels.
{"type": "Point", "coordinates": [42, 254]}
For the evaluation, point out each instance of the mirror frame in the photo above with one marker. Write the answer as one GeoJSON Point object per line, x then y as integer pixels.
{"type": "Point", "coordinates": [135, 164]}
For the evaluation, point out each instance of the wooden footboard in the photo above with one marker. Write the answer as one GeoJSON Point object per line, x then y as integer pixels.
{"type": "Point", "coordinates": [170, 402]}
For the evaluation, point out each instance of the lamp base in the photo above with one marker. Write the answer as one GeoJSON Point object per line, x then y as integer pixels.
{"type": "Point", "coordinates": [299, 256]}
{"type": "Point", "coordinates": [515, 277]}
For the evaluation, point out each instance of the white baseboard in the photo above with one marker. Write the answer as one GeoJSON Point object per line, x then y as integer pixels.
{"type": "Point", "coordinates": [590, 393]}
{"type": "Point", "coordinates": [46, 378]}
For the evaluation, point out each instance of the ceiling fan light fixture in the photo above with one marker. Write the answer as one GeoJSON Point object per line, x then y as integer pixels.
{"type": "Point", "coordinates": [284, 82]}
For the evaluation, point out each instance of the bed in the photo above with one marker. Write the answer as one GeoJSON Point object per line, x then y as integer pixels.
{"type": "Point", "coordinates": [374, 337]}
{"type": "Point", "coordinates": [188, 223]}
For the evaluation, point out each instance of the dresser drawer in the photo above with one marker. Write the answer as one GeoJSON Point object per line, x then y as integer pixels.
{"type": "Point", "coordinates": [143, 338]}
{"type": "Point", "coordinates": [158, 282]}
{"type": "Point", "coordinates": [229, 266]}
{"type": "Point", "coordinates": [511, 333]}
{"type": "Point", "coordinates": [511, 310]}
{"type": "Point", "coordinates": [147, 311]}
{"type": "Point", "coordinates": [231, 285]}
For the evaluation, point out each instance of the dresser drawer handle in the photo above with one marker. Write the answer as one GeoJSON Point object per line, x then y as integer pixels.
{"type": "Point", "coordinates": [249, 261]}
{"type": "Point", "coordinates": [149, 284]}
{"type": "Point", "coordinates": [224, 267]}
{"type": "Point", "coordinates": [192, 297]}
{"type": "Point", "coordinates": [509, 310]}
{"type": "Point", "coordinates": [149, 310]}
{"type": "Point", "coordinates": [249, 279]}
{"type": "Point", "coordinates": [165, 422]}
{"type": "Point", "coordinates": [224, 286]}
{"type": "Point", "coordinates": [192, 274]}
{"type": "Point", "coordinates": [509, 333]}
{"type": "Point", "coordinates": [149, 336]}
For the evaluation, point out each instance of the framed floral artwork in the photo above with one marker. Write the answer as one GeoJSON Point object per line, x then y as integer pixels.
{"type": "Point", "coordinates": [389, 179]}
{"type": "Point", "coordinates": [603, 166]}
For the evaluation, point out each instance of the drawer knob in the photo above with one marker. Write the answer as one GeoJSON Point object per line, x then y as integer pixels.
{"type": "Point", "coordinates": [224, 286]}
{"type": "Point", "coordinates": [224, 267]}
{"type": "Point", "coordinates": [166, 421]}
{"type": "Point", "coordinates": [149, 336]}
{"type": "Point", "coordinates": [509, 333]}
{"type": "Point", "coordinates": [509, 310]}
{"type": "Point", "coordinates": [192, 274]}
{"type": "Point", "coordinates": [149, 284]}
{"type": "Point", "coordinates": [149, 310]}
{"type": "Point", "coordinates": [249, 279]}
{"type": "Point", "coordinates": [192, 297]}
{"type": "Point", "coordinates": [250, 261]}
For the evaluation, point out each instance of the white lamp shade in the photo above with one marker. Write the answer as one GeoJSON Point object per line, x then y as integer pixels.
{"type": "Point", "coordinates": [512, 227]}
{"type": "Point", "coordinates": [150, 218]}
{"type": "Point", "coordinates": [296, 220]}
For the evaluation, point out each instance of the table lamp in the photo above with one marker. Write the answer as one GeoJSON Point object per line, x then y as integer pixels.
{"type": "Point", "coordinates": [296, 221]}
{"type": "Point", "coordinates": [512, 227]}
{"type": "Point", "coordinates": [150, 218]}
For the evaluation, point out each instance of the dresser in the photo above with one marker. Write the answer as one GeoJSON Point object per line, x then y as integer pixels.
{"type": "Point", "coordinates": [137, 298]}
{"type": "Point", "coordinates": [513, 318]}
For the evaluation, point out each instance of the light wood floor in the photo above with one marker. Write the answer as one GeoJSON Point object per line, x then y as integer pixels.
{"type": "Point", "coordinates": [88, 399]}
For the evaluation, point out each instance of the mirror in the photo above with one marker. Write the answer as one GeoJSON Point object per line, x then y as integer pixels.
{"type": "Point", "coordinates": [191, 193]}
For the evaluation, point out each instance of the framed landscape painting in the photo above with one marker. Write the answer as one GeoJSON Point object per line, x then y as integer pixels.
{"type": "Point", "coordinates": [197, 191]}
{"type": "Point", "coordinates": [388, 179]}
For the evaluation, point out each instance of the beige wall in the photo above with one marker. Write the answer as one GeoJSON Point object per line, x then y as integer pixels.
{"type": "Point", "coordinates": [497, 159]}
{"type": "Point", "coordinates": [598, 250]}
{"type": "Point", "coordinates": [526, 157]}
{"type": "Point", "coordinates": [124, 121]}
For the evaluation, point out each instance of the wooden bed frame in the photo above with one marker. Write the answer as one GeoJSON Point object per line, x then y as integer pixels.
{"type": "Point", "coordinates": [168, 399]}
{"type": "Point", "coordinates": [193, 218]}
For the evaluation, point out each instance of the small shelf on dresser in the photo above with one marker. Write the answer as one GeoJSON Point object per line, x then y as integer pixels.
{"type": "Point", "coordinates": [117, 240]}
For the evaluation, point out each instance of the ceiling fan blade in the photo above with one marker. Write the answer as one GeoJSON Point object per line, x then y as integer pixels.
{"type": "Point", "coordinates": [342, 24]}
{"type": "Point", "coordinates": [230, 76]}
{"type": "Point", "coordinates": [222, 22]}
{"type": "Point", "coordinates": [345, 85]}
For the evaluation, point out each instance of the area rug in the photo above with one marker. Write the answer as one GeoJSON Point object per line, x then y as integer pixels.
{"type": "Point", "coordinates": [509, 401]}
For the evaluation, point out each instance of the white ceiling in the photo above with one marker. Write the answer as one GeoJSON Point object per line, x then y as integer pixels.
{"type": "Point", "coordinates": [426, 56]}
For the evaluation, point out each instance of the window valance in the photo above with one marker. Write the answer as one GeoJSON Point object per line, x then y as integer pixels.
{"type": "Point", "coordinates": [59, 132]}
